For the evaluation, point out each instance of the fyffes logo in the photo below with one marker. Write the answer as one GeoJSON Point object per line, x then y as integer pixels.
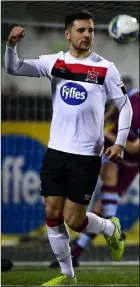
{"type": "Point", "coordinates": [22, 206]}
{"type": "Point", "coordinates": [73, 94]}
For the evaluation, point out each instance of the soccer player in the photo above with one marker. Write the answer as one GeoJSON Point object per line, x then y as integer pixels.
{"type": "Point", "coordinates": [116, 179]}
{"type": "Point", "coordinates": [81, 82]}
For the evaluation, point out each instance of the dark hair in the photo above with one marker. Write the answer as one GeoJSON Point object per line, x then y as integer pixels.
{"type": "Point", "coordinates": [78, 15]}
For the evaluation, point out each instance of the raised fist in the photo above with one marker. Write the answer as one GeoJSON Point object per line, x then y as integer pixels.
{"type": "Point", "coordinates": [15, 36]}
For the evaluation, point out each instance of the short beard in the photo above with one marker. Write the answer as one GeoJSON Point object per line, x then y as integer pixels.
{"type": "Point", "coordinates": [79, 49]}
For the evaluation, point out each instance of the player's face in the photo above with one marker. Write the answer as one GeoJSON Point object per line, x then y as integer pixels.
{"type": "Point", "coordinates": [81, 34]}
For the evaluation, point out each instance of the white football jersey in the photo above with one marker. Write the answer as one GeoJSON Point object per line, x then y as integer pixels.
{"type": "Point", "coordinates": [80, 88]}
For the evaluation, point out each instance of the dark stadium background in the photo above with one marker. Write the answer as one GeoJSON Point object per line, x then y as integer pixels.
{"type": "Point", "coordinates": [25, 104]}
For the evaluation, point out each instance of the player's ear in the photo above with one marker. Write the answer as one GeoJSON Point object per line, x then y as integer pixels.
{"type": "Point", "coordinates": [67, 35]}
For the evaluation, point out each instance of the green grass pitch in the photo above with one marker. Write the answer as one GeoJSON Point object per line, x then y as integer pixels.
{"type": "Point", "coordinates": [111, 275]}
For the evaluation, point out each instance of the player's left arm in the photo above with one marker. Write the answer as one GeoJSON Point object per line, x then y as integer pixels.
{"type": "Point", "coordinates": [116, 91]}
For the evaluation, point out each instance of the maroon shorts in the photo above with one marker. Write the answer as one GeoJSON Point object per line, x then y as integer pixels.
{"type": "Point", "coordinates": [126, 175]}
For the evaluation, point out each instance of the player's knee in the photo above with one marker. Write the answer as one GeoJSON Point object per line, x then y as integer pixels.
{"type": "Point", "coordinates": [54, 215]}
{"type": "Point", "coordinates": [53, 211]}
{"type": "Point", "coordinates": [54, 207]}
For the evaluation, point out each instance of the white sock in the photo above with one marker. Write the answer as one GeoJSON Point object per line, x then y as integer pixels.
{"type": "Point", "coordinates": [97, 224]}
{"type": "Point", "coordinates": [84, 240]}
{"type": "Point", "coordinates": [59, 240]}
{"type": "Point", "coordinates": [109, 227]}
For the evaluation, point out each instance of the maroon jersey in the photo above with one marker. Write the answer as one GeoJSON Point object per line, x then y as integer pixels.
{"type": "Point", "coordinates": [134, 130]}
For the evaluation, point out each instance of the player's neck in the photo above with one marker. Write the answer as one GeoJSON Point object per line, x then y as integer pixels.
{"type": "Point", "coordinates": [79, 54]}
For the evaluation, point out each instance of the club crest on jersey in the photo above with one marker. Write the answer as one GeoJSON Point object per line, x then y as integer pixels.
{"type": "Point", "coordinates": [92, 76]}
{"type": "Point", "coordinates": [73, 94]}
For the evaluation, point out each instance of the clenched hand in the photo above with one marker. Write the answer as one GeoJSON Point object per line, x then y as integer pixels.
{"type": "Point", "coordinates": [15, 36]}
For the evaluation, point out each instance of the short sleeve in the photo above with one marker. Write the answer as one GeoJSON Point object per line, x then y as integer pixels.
{"type": "Point", "coordinates": [113, 83]}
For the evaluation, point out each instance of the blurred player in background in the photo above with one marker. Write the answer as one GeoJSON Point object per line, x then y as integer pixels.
{"type": "Point", "coordinates": [81, 81]}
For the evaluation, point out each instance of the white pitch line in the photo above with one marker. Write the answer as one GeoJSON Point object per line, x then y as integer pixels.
{"type": "Point", "coordinates": [85, 263]}
{"type": "Point", "coordinates": [97, 268]}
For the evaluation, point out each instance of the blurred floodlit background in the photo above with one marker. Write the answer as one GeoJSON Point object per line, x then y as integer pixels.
{"type": "Point", "coordinates": [26, 114]}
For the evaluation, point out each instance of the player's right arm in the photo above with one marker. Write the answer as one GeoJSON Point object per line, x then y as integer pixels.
{"type": "Point", "coordinates": [32, 68]}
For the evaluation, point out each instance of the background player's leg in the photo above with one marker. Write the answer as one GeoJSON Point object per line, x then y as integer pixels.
{"type": "Point", "coordinates": [58, 234]}
{"type": "Point", "coordinates": [109, 193]}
